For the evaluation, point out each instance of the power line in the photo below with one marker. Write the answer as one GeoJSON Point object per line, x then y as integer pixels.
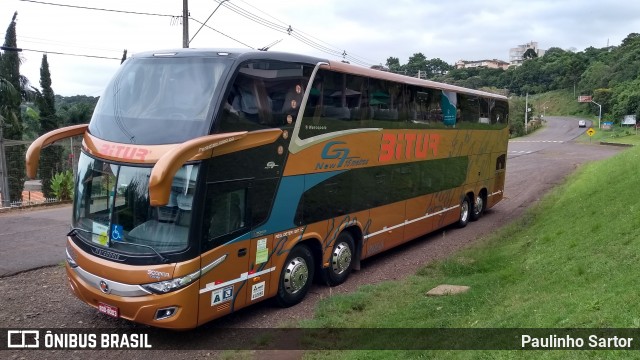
{"type": "Point", "coordinates": [297, 34]}
{"type": "Point", "coordinates": [70, 54]}
{"type": "Point", "coordinates": [221, 33]}
{"type": "Point", "coordinates": [90, 8]}
{"type": "Point", "coordinates": [29, 39]}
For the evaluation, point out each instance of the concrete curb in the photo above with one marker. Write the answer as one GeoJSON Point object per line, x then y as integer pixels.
{"type": "Point", "coordinates": [34, 206]}
{"type": "Point", "coordinates": [615, 144]}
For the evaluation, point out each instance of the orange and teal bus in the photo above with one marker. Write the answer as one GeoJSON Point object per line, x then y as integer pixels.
{"type": "Point", "coordinates": [210, 180]}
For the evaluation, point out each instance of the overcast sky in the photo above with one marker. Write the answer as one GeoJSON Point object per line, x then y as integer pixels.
{"type": "Point", "coordinates": [371, 30]}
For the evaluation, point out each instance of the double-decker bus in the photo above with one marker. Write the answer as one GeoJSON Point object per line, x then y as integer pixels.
{"type": "Point", "coordinates": [210, 180]}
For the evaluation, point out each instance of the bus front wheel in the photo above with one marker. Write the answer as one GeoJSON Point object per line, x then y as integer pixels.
{"type": "Point", "coordinates": [341, 261]}
{"type": "Point", "coordinates": [296, 276]}
{"type": "Point", "coordinates": [465, 211]}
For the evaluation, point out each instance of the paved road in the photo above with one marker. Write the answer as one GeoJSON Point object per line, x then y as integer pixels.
{"type": "Point", "coordinates": [33, 239]}
{"type": "Point", "coordinates": [555, 132]}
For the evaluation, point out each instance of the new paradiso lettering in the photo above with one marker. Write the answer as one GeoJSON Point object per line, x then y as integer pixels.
{"type": "Point", "coordinates": [408, 146]}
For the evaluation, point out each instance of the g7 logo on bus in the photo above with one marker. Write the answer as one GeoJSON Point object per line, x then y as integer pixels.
{"type": "Point", "coordinates": [408, 146]}
{"type": "Point", "coordinates": [332, 150]}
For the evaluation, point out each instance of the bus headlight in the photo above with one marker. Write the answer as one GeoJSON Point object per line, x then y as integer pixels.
{"type": "Point", "coordinates": [163, 287]}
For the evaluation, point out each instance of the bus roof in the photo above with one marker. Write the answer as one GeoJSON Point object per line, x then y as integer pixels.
{"type": "Point", "coordinates": [250, 54]}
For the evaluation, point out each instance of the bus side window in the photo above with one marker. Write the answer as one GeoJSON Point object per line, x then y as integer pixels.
{"type": "Point", "coordinates": [225, 213]}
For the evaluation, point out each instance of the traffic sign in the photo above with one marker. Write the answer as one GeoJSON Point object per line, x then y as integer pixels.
{"type": "Point", "coordinates": [590, 132]}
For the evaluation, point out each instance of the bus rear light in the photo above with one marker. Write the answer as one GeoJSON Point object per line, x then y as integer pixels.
{"type": "Point", "coordinates": [166, 313]}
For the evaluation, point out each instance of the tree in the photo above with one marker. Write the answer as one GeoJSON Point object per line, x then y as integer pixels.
{"type": "Point", "coordinates": [51, 156]}
{"type": "Point", "coordinates": [10, 107]}
{"type": "Point", "coordinates": [124, 56]}
{"type": "Point", "coordinates": [393, 63]}
{"type": "Point", "coordinates": [529, 54]}
{"type": "Point", "coordinates": [417, 62]}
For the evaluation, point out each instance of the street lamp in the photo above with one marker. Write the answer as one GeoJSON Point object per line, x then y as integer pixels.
{"type": "Point", "coordinates": [599, 112]}
{"type": "Point", "coordinates": [201, 26]}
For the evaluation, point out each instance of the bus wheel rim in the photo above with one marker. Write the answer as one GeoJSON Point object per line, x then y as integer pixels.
{"type": "Point", "coordinates": [465, 211]}
{"type": "Point", "coordinates": [479, 205]}
{"type": "Point", "coordinates": [296, 275]}
{"type": "Point", "coordinates": [341, 258]}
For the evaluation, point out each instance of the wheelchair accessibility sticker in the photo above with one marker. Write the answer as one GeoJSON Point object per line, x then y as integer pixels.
{"type": "Point", "coordinates": [116, 232]}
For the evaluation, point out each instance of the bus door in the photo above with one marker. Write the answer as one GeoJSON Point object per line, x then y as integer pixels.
{"type": "Point", "coordinates": [225, 255]}
{"type": "Point", "coordinates": [498, 185]}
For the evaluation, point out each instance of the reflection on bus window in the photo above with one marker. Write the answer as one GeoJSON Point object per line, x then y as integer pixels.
{"type": "Point", "coordinates": [153, 93]}
{"type": "Point", "coordinates": [264, 95]}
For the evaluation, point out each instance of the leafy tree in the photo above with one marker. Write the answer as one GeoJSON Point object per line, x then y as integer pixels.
{"type": "Point", "coordinates": [417, 62]}
{"type": "Point", "coordinates": [437, 66]}
{"type": "Point", "coordinates": [393, 63]}
{"type": "Point", "coordinates": [12, 119]}
{"type": "Point", "coordinates": [51, 156]}
{"type": "Point", "coordinates": [596, 76]}
{"type": "Point", "coordinates": [626, 99]}
{"type": "Point", "coordinates": [529, 54]}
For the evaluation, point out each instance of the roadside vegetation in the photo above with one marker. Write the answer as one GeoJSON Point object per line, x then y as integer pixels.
{"type": "Point", "coordinates": [569, 262]}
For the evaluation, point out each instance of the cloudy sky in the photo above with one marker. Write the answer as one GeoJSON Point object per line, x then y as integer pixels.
{"type": "Point", "coordinates": [368, 30]}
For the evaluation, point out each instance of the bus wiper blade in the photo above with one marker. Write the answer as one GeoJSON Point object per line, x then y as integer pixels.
{"type": "Point", "coordinates": [75, 229]}
{"type": "Point", "coordinates": [162, 258]}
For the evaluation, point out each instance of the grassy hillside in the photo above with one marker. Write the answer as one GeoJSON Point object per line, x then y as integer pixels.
{"type": "Point", "coordinates": [562, 103]}
{"type": "Point", "coordinates": [572, 261]}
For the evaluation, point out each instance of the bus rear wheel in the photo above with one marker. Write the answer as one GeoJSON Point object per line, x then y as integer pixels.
{"type": "Point", "coordinates": [341, 261]}
{"type": "Point", "coordinates": [465, 212]}
{"type": "Point", "coordinates": [478, 208]}
{"type": "Point", "coordinates": [296, 277]}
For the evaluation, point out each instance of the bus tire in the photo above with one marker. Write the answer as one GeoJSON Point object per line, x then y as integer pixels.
{"type": "Point", "coordinates": [296, 276]}
{"type": "Point", "coordinates": [465, 212]}
{"type": "Point", "coordinates": [341, 260]}
{"type": "Point", "coordinates": [478, 208]}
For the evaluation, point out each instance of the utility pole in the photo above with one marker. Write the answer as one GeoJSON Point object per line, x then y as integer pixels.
{"type": "Point", "coordinates": [526, 112]}
{"type": "Point", "coordinates": [185, 24]}
{"type": "Point", "coordinates": [4, 176]}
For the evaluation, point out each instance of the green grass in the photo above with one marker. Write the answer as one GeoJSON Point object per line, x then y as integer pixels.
{"type": "Point", "coordinates": [572, 261]}
{"type": "Point", "coordinates": [617, 135]}
{"type": "Point", "coordinates": [562, 103]}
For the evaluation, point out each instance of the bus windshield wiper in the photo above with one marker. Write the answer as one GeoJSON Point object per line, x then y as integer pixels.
{"type": "Point", "coordinates": [162, 258]}
{"type": "Point", "coordinates": [75, 229]}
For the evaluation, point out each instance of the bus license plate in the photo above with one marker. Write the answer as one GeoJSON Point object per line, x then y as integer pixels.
{"type": "Point", "coordinates": [108, 309]}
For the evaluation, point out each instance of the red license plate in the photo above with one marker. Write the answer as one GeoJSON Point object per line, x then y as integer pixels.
{"type": "Point", "coordinates": [109, 310]}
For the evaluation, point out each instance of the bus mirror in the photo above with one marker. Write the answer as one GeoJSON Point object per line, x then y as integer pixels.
{"type": "Point", "coordinates": [200, 148]}
{"type": "Point", "coordinates": [33, 153]}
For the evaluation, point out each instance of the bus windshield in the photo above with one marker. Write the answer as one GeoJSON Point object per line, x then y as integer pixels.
{"type": "Point", "coordinates": [111, 208]}
{"type": "Point", "coordinates": [160, 93]}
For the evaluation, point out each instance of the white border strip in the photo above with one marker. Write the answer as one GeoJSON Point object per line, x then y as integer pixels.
{"type": "Point", "coordinates": [243, 277]}
{"type": "Point", "coordinates": [407, 222]}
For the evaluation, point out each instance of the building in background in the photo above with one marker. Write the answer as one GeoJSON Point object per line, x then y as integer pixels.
{"type": "Point", "coordinates": [491, 64]}
{"type": "Point", "coordinates": [516, 54]}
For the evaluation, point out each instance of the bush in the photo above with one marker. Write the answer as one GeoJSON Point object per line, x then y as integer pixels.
{"type": "Point", "coordinates": [62, 185]}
